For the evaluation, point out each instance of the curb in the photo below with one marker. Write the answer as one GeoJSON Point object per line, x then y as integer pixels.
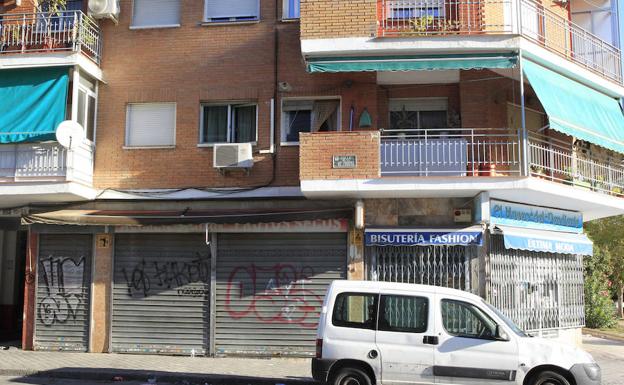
{"type": "Point", "coordinates": [107, 374]}
{"type": "Point", "coordinates": [602, 334]}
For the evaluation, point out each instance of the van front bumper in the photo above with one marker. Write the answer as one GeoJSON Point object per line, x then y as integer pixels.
{"type": "Point", "coordinates": [320, 369]}
{"type": "Point", "coordinates": [586, 374]}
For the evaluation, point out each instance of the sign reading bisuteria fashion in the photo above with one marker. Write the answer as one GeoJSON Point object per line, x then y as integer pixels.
{"type": "Point", "coordinates": [405, 237]}
{"type": "Point", "coordinates": [535, 217]}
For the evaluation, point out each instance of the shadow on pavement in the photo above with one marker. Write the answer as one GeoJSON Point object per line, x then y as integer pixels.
{"type": "Point", "coordinates": [604, 341]}
{"type": "Point", "coordinates": [150, 376]}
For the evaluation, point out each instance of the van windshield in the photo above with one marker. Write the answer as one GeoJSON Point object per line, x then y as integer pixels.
{"type": "Point", "coordinates": [507, 321]}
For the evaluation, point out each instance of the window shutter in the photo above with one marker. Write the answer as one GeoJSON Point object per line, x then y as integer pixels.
{"type": "Point", "coordinates": [150, 124]}
{"type": "Point", "coordinates": [148, 13]}
{"type": "Point", "coordinates": [220, 9]}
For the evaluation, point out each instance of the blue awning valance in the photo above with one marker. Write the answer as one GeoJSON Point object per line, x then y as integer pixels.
{"type": "Point", "coordinates": [546, 241]}
{"type": "Point", "coordinates": [411, 63]}
{"type": "Point", "coordinates": [577, 110]}
{"type": "Point", "coordinates": [32, 103]}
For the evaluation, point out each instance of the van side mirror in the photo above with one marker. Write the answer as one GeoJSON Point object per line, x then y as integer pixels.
{"type": "Point", "coordinates": [500, 334]}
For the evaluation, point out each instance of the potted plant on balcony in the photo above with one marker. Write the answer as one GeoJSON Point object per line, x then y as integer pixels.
{"type": "Point", "coordinates": [538, 171]}
{"type": "Point", "coordinates": [49, 11]}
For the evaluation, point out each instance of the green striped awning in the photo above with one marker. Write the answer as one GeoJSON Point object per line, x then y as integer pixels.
{"type": "Point", "coordinates": [411, 63]}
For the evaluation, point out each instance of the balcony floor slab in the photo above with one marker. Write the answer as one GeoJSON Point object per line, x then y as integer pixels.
{"type": "Point", "coordinates": [23, 194]}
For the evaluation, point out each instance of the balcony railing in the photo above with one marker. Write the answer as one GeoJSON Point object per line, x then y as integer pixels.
{"type": "Point", "coordinates": [450, 152]}
{"type": "Point", "coordinates": [558, 161]}
{"type": "Point", "coordinates": [50, 32]}
{"type": "Point", "coordinates": [478, 17]}
{"type": "Point", "coordinates": [45, 162]}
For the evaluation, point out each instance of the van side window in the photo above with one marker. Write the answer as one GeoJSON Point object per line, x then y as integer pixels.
{"type": "Point", "coordinates": [403, 314]}
{"type": "Point", "coordinates": [355, 310]}
{"type": "Point", "coordinates": [463, 319]}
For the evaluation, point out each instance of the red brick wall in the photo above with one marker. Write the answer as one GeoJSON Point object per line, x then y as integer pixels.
{"type": "Point", "coordinates": [194, 64]}
{"type": "Point", "coordinates": [344, 18]}
{"type": "Point", "coordinates": [318, 149]}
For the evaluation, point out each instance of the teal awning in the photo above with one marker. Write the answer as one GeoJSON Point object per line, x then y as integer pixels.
{"type": "Point", "coordinates": [577, 110]}
{"type": "Point", "coordinates": [32, 103]}
{"type": "Point", "coordinates": [411, 63]}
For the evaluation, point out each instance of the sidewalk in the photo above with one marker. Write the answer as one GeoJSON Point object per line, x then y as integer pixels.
{"type": "Point", "coordinates": [104, 367]}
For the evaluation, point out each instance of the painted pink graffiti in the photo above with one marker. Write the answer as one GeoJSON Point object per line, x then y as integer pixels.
{"type": "Point", "coordinates": [282, 299]}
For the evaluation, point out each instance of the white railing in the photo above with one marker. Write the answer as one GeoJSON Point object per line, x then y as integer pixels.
{"type": "Point", "coordinates": [45, 162]}
{"type": "Point", "coordinates": [560, 162]}
{"type": "Point", "coordinates": [450, 152]}
{"type": "Point", "coordinates": [50, 32]}
{"type": "Point", "coordinates": [478, 17]}
{"type": "Point", "coordinates": [569, 40]}
{"type": "Point", "coordinates": [444, 17]}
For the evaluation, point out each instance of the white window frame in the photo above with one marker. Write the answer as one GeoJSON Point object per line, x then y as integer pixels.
{"type": "Point", "coordinates": [88, 93]}
{"type": "Point", "coordinates": [286, 10]}
{"type": "Point", "coordinates": [419, 105]}
{"type": "Point", "coordinates": [154, 147]}
{"type": "Point", "coordinates": [232, 20]}
{"type": "Point", "coordinates": [155, 26]}
{"type": "Point", "coordinates": [426, 5]}
{"type": "Point", "coordinates": [284, 123]}
{"type": "Point", "coordinates": [229, 104]}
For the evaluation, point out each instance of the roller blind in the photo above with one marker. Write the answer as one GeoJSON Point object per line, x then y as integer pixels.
{"type": "Point", "coordinates": [156, 13]}
{"type": "Point", "coordinates": [236, 9]}
{"type": "Point", "coordinates": [150, 124]}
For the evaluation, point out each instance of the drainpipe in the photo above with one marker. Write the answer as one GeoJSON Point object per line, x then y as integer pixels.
{"type": "Point", "coordinates": [524, 134]}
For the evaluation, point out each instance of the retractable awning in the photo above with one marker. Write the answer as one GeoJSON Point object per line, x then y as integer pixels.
{"type": "Point", "coordinates": [411, 63]}
{"type": "Point", "coordinates": [545, 241]}
{"type": "Point", "coordinates": [577, 110]}
{"type": "Point", "coordinates": [470, 236]}
{"type": "Point", "coordinates": [33, 103]}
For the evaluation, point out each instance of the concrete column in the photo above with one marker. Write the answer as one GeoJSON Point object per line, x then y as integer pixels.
{"type": "Point", "coordinates": [30, 287]}
{"type": "Point", "coordinates": [101, 294]}
{"type": "Point", "coordinates": [355, 265]}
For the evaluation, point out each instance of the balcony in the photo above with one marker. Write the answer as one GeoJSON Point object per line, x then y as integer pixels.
{"type": "Point", "coordinates": [462, 162]}
{"type": "Point", "coordinates": [544, 27]}
{"type": "Point", "coordinates": [68, 31]}
{"type": "Point", "coordinates": [45, 162]}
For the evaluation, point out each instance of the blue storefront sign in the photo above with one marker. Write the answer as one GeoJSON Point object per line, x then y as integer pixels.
{"type": "Point", "coordinates": [418, 237]}
{"type": "Point", "coordinates": [534, 217]}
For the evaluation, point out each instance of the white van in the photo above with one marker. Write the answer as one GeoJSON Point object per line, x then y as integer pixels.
{"type": "Point", "coordinates": [392, 333]}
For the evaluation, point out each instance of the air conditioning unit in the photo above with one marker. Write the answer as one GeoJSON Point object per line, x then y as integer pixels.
{"type": "Point", "coordinates": [104, 9]}
{"type": "Point", "coordinates": [232, 156]}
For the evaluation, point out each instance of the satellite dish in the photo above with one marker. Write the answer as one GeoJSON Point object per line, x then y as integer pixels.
{"type": "Point", "coordinates": [70, 134]}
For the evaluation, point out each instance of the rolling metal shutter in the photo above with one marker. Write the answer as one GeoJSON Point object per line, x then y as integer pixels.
{"type": "Point", "coordinates": [161, 294]}
{"type": "Point", "coordinates": [270, 288]}
{"type": "Point", "coordinates": [63, 292]}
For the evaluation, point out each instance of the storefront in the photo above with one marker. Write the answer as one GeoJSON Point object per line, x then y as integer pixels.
{"type": "Point", "coordinates": [535, 258]}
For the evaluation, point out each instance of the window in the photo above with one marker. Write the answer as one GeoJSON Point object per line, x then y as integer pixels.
{"type": "Point", "coordinates": [403, 314]}
{"type": "Point", "coordinates": [462, 319]}
{"type": "Point", "coordinates": [229, 123]}
{"type": "Point", "coordinates": [63, 20]}
{"type": "Point", "coordinates": [300, 115]}
{"type": "Point", "coordinates": [220, 11]}
{"type": "Point", "coordinates": [291, 9]}
{"type": "Point", "coordinates": [150, 124]}
{"type": "Point", "coordinates": [355, 310]}
{"type": "Point", "coordinates": [421, 113]}
{"type": "Point", "coordinates": [156, 14]}
{"type": "Point", "coordinates": [406, 10]}
{"type": "Point", "coordinates": [87, 103]}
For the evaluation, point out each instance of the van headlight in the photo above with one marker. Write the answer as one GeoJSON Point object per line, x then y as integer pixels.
{"type": "Point", "coordinates": [592, 370]}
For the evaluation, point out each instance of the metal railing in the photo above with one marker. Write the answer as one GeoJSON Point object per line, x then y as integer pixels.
{"type": "Point", "coordinates": [50, 32]}
{"type": "Point", "coordinates": [558, 161]}
{"type": "Point", "coordinates": [34, 162]}
{"type": "Point", "coordinates": [451, 152]}
{"type": "Point", "coordinates": [562, 36]}
{"type": "Point", "coordinates": [444, 17]}
{"type": "Point", "coordinates": [524, 17]}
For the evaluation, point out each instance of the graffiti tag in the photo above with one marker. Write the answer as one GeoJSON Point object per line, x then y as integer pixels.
{"type": "Point", "coordinates": [283, 298]}
{"type": "Point", "coordinates": [63, 280]}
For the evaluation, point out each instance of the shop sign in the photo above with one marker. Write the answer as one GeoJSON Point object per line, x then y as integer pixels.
{"type": "Point", "coordinates": [345, 161]}
{"type": "Point", "coordinates": [534, 217]}
{"type": "Point", "coordinates": [423, 238]}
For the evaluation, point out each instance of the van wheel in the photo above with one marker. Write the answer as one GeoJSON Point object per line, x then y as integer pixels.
{"type": "Point", "coordinates": [352, 376]}
{"type": "Point", "coordinates": [550, 378]}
